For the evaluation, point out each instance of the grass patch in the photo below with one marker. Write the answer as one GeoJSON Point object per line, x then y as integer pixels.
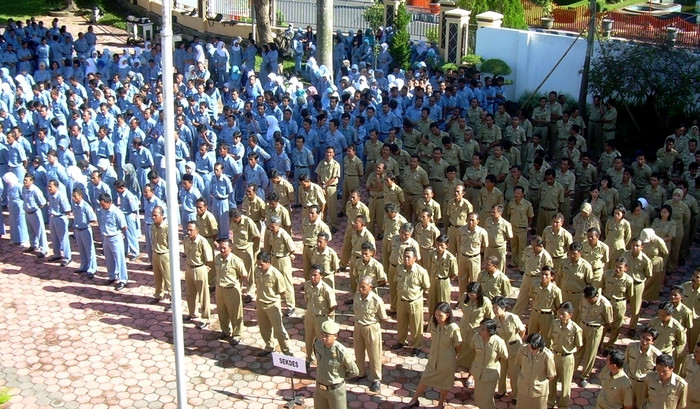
{"type": "Point", "coordinates": [26, 9]}
{"type": "Point", "coordinates": [4, 395]}
{"type": "Point", "coordinates": [112, 14]}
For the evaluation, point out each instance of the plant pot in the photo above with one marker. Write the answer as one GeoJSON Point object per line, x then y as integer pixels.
{"type": "Point", "coordinates": [606, 25]}
{"type": "Point", "coordinates": [435, 8]}
{"type": "Point", "coordinates": [547, 22]}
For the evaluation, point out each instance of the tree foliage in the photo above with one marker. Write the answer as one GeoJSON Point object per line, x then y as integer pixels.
{"type": "Point", "coordinates": [496, 67]}
{"type": "Point", "coordinates": [658, 75]}
{"type": "Point", "coordinates": [374, 15]}
{"type": "Point", "coordinates": [400, 48]}
{"type": "Point", "coordinates": [512, 10]}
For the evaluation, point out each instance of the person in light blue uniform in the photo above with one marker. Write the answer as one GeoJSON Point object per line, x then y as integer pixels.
{"type": "Point", "coordinates": [113, 228]}
{"type": "Point", "coordinates": [34, 201]}
{"type": "Point", "coordinates": [83, 216]}
{"type": "Point", "coordinates": [2, 219]}
{"type": "Point", "coordinates": [142, 160]}
{"type": "Point", "coordinates": [18, 224]}
{"type": "Point", "coordinates": [129, 205]}
{"type": "Point", "coordinates": [158, 185]}
{"type": "Point", "coordinates": [150, 202]}
{"type": "Point", "coordinates": [255, 174]}
{"type": "Point", "coordinates": [59, 209]}
{"type": "Point", "coordinates": [220, 192]}
{"type": "Point", "coordinates": [188, 195]}
{"type": "Point", "coordinates": [16, 156]}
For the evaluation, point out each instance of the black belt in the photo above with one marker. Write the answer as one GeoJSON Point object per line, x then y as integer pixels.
{"type": "Point", "coordinates": [563, 353]}
{"type": "Point", "coordinates": [443, 278]}
{"type": "Point", "coordinates": [331, 387]}
{"type": "Point", "coordinates": [81, 229]}
{"type": "Point", "coordinates": [436, 180]}
{"type": "Point", "coordinates": [513, 342]}
{"type": "Point", "coordinates": [474, 187]}
{"type": "Point", "coordinates": [350, 176]}
{"type": "Point", "coordinates": [547, 209]}
{"type": "Point", "coordinates": [545, 312]}
{"type": "Point", "coordinates": [228, 288]}
{"type": "Point", "coordinates": [618, 300]}
{"type": "Point", "coordinates": [299, 166]}
{"type": "Point", "coordinates": [458, 226]}
{"type": "Point", "coordinates": [638, 282]}
{"type": "Point", "coordinates": [282, 256]}
{"type": "Point", "coordinates": [145, 167]}
{"type": "Point", "coordinates": [592, 325]}
{"type": "Point", "coordinates": [416, 299]}
{"type": "Point", "coordinates": [471, 256]}
{"type": "Point", "coordinates": [309, 247]}
{"type": "Point", "coordinates": [28, 212]}
{"type": "Point", "coordinates": [221, 198]}
{"type": "Point", "coordinates": [191, 266]}
{"type": "Point", "coordinates": [376, 197]}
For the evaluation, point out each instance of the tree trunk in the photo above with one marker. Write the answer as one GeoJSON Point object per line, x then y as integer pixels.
{"type": "Point", "coordinates": [324, 34]}
{"type": "Point", "coordinates": [70, 5]}
{"type": "Point", "coordinates": [262, 20]}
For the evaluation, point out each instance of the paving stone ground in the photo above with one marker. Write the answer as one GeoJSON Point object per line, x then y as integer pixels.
{"type": "Point", "coordinates": [67, 342]}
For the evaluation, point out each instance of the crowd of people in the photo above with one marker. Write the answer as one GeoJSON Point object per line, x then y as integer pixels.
{"type": "Point", "coordinates": [443, 191]}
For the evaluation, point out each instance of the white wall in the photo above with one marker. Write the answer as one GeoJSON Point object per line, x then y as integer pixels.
{"type": "Point", "coordinates": [531, 55]}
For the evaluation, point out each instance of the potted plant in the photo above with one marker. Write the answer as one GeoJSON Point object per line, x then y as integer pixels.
{"type": "Point", "coordinates": [547, 18]}
{"type": "Point", "coordinates": [471, 60]}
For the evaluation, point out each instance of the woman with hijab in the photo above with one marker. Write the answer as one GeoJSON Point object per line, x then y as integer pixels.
{"type": "Point", "coordinates": [236, 54]}
{"type": "Point", "coordinates": [250, 52]}
{"type": "Point", "coordinates": [272, 127]}
{"type": "Point", "coordinates": [179, 57]}
{"type": "Point", "coordinates": [384, 59]}
{"type": "Point", "coordinates": [272, 58]}
{"type": "Point", "coordinates": [338, 51]}
{"type": "Point", "coordinates": [199, 54]}
{"type": "Point", "coordinates": [221, 61]}
{"type": "Point", "coordinates": [18, 224]}
{"type": "Point", "coordinates": [42, 74]}
{"type": "Point", "coordinates": [189, 55]}
{"type": "Point", "coordinates": [367, 51]}
{"type": "Point", "coordinates": [191, 73]}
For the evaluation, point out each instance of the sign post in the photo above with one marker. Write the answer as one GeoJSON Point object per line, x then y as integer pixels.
{"type": "Point", "coordinates": [294, 365]}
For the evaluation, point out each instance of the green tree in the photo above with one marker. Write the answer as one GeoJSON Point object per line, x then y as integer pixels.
{"type": "Point", "coordinates": [399, 48]}
{"type": "Point", "coordinates": [658, 76]}
{"type": "Point", "coordinates": [512, 10]}
{"type": "Point", "coordinates": [374, 15]}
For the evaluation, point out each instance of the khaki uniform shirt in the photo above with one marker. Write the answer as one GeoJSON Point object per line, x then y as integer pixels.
{"type": "Point", "coordinates": [411, 283]}
{"type": "Point", "coordinates": [436, 171]}
{"type": "Point", "coordinates": [637, 363]}
{"type": "Point", "coordinates": [509, 184]}
{"type": "Point", "coordinates": [557, 244]}
{"type": "Point", "coordinates": [533, 263]}
{"type": "Point", "coordinates": [509, 327]}
{"type": "Point", "coordinates": [551, 197]}
{"type": "Point", "coordinates": [691, 374]}
{"type": "Point", "coordinates": [541, 114]}
{"type": "Point", "coordinates": [269, 286]}
{"type": "Point", "coordinates": [691, 297]}
{"type": "Point", "coordinates": [208, 227]}
{"type": "Point", "coordinates": [490, 199]}
{"type": "Point", "coordinates": [494, 284]}
{"type": "Point", "coordinates": [255, 209]}
{"type": "Point", "coordinates": [443, 267]}
{"type": "Point", "coordinates": [576, 277]}
{"type": "Point", "coordinates": [374, 269]}
{"type": "Point", "coordinates": [310, 231]}
{"type": "Point", "coordinates": [597, 256]}
{"type": "Point", "coordinates": [359, 209]}
{"type": "Point", "coordinates": [497, 166]}
{"type": "Point", "coordinates": [545, 299]}
{"type": "Point", "coordinates": [672, 395]}
{"type": "Point", "coordinates": [425, 236]}
{"type": "Point", "coordinates": [328, 259]}
{"type": "Point", "coordinates": [448, 188]}
{"type": "Point", "coordinates": [320, 299]}
{"type": "Point", "coordinates": [159, 238]}
{"type": "Point", "coordinates": [357, 239]}
{"type": "Point", "coordinates": [535, 371]}
{"type": "Point", "coordinates": [369, 310]}
{"type": "Point", "coordinates": [458, 212]}
{"type": "Point", "coordinates": [279, 245]}
{"type": "Point", "coordinates": [313, 196]}
{"type": "Point", "coordinates": [334, 364]}
{"type": "Point", "coordinates": [617, 288]}
{"type": "Point", "coordinates": [398, 247]}
{"type": "Point", "coordinates": [684, 316]}
{"type": "Point", "coordinates": [373, 151]}
{"type": "Point", "coordinates": [245, 232]}
{"type": "Point", "coordinates": [585, 177]}
{"type": "Point", "coordinates": [478, 175]}
{"type": "Point", "coordinates": [198, 251]}
{"type": "Point", "coordinates": [394, 195]}
{"type": "Point", "coordinates": [230, 271]}
{"type": "Point", "coordinates": [515, 135]}
{"type": "Point", "coordinates": [499, 232]}
{"type": "Point", "coordinates": [639, 268]}
{"type": "Point", "coordinates": [281, 212]}
{"type": "Point", "coordinates": [392, 226]}
{"type": "Point", "coordinates": [567, 339]}
{"type": "Point", "coordinates": [285, 191]}
{"type": "Point", "coordinates": [391, 165]}
{"type": "Point", "coordinates": [616, 391]}
{"type": "Point", "coordinates": [488, 135]}
{"type": "Point", "coordinates": [414, 181]}
{"type": "Point", "coordinates": [470, 243]}
{"type": "Point", "coordinates": [468, 148]}
{"type": "Point", "coordinates": [327, 171]}
{"type": "Point", "coordinates": [433, 206]}
{"type": "Point", "coordinates": [671, 336]}
{"type": "Point", "coordinates": [536, 177]}
{"type": "Point", "coordinates": [353, 166]}
{"type": "Point", "coordinates": [373, 183]}
{"type": "Point", "coordinates": [453, 156]}
{"type": "Point", "coordinates": [598, 313]}
{"type": "Point", "coordinates": [520, 213]}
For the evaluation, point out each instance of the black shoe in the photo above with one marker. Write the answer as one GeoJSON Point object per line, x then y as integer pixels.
{"type": "Point", "coordinates": [357, 379]}
{"type": "Point", "coordinates": [391, 313]}
{"type": "Point", "coordinates": [168, 307]}
{"type": "Point", "coordinates": [41, 255]}
{"type": "Point", "coordinates": [263, 354]}
{"type": "Point", "coordinates": [90, 276]}
{"type": "Point", "coordinates": [398, 345]}
{"type": "Point", "coordinates": [149, 267]}
{"type": "Point", "coordinates": [233, 342]}
{"type": "Point", "coordinates": [247, 299]}
{"type": "Point", "coordinates": [583, 383]}
{"type": "Point", "coordinates": [380, 237]}
{"type": "Point", "coordinates": [222, 336]}
{"type": "Point", "coordinates": [514, 402]}
{"type": "Point", "coordinates": [645, 304]}
{"type": "Point", "coordinates": [202, 325]}
{"type": "Point", "coordinates": [415, 352]}
{"type": "Point", "coordinates": [349, 302]}
{"type": "Point", "coordinates": [376, 386]}
{"type": "Point", "coordinates": [341, 214]}
{"type": "Point", "coordinates": [131, 257]}
{"type": "Point", "coordinates": [112, 281]}
{"type": "Point", "coordinates": [79, 271]}
{"type": "Point", "coordinates": [499, 395]}
{"type": "Point", "coordinates": [411, 406]}
{"type": "Point", "coordinates": [342, 268]}
{"type": "Point", "coordinates": [187, 318]}
{"type": "Point", "coordinates": [55, 258]}
{"type": "Point", "coordinates": [155, 300]}
{"type": "Point", "coordinates": [120, 286]}
{"type": "Point", "coordinates": [289, 312]}
{"type": "Point", "coordinates": [65, 263]}
{"type": "Point", "coordinates": [334, 230]}
{"type": "Point", "coordinates": [29, 249]}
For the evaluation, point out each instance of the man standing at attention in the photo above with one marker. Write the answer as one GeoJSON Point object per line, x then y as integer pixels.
{"type": "Point", "coordinates": [412, 282]}
{"type": "Point", "coordinates": [335, 363]}
{"type": "Point", "coordinates": [230, 271]}
{"type": "Point", "coordinates": [198, 254]}
{"type": "Point", "coordinates": [113, 228]}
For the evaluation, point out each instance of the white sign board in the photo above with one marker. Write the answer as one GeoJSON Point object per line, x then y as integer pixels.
{"type": "Point", "coordinates": [289, 362]}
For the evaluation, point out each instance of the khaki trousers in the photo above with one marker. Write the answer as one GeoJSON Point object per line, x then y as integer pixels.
{"type": "Point", "coordinates": [350, 183]}
{"type": "Point", "coordinates": [312, 331]}
{"type": "Point", "coordinates": [467, 270]}
{"type": "Point", "coordinates": [524, 294]}
{"type": "Point", "coordinates": [376, 214]}
{"type": "Point", "coordinates": [410, 318]}
{"type": "Point", "coordinates": [269, 320]}
{"type": "Point", "coordinates": [229, 305]}
{"type": "Point", "coordinates": [619, 309]}
{"type": "Point", "coordinates": [592, 336]}
{"type": "Point", "coordinates": [518, 244]}
{"type": "Point", "coordinates": [540, 323]}
{"type": "Point", "coordinates": [393, 293]}
{"type": "Point", "coordinates": [636, 304]}
{"type": "Point", "coordinates": [161, 274]}
{"type": "Point", "coordinates": [565, 367]}
{"type": "Point", "coordinates": [284, 265]}
{"type": "Point", "coordinates": [347, 247]}
{"type": "Point", "coordinates": [499, 252]}
{"type": "Point", "coordinates": [246, 255]}
{"type": "Point", "coordinates": [368, 338]}
{"type": "Point", "coordinates": [452, 234]}
{"type": "Point", "coordinates": [335, 399]}
{"type": "Point", "coordinates": [197, 291]}
{"type": "Point", "coordinates": [331, 210]}
{"type": "Point", "coordinates": [306, 261]}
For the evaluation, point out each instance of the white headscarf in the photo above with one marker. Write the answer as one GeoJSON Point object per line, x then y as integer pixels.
{"type": "Point", "coordinates": [272, 127]}
{"type": "Point", "coordinates": [421, 47]}
{"type": "Point", "coordinates": [199, 55]}
{"type": "Point", "coordinates": [220, 48]}
{"type": "Point", "coordinates": [10, 179]}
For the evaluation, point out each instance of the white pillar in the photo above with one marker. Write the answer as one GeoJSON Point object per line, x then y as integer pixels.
{"type": "Point", "coordinates": [391, 8]}
{"type": "Point", "coordinates": [456, 35]}
{"type": "Point", "coordinates": [489, 19]}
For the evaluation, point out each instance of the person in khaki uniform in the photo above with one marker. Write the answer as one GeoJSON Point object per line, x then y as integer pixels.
{"type": "Point", "coordinates": [656, 249]}
{"type": "Point", "coordinates": [489, 196]}
{"type": "Point", "coordinates": [368, 266]}
{"type": "Point", "coordinates": [491, 350]}
{"type": "Point", "coordinates": [270, 287]}
{"type": "Point", "coordinates": [691, 374]}
{"type": "Point", "coordinates": [616, 387]}
{"type": "Point", "coordinates": [546, 299]}
{"type": "Point", "coordinates": [367, 333]}
{"type": "Point", "coordinates": [566, 338]}
{"type": "Point", "coordinates": [437, 173]}
{"type": "Point", "coordinates": [393, 221]}
{"type": "Point", "coordinates": [596, 252]}
{"type": "Point", "coordinates": [493, 281]}
{"type": "Point", "coordinates": [206, 222]}
{"type": "Point", "coordinates": [311, 227]}
{"type": "Point", "coordinates": [328, 173]}
{"type": "Point", "coordinates": [456, 213]}
{"type": "Point", "coordinates": [245, 243]}
{"type": "Point", "coordinates": [282, 188]}
{"type": "Point", "coordinates": [198, 254]}
{"type": "Point", "coordinates": [230, 272]}
{"type": "Point", "coordinates": [425, 234]}
{"type": "Point", "coordinates": [474, 179]}
{"type": "Point", "coordinates": [535, 367]}
{"type": "Point", "coordinates": [617, 288]}
{"type": "Point", "coordinates": [399, 243]}
{"type": "Point", "coordinates": [551, 198]}
{"type": "Point", "coordinates": [691, 298]}
{"type": "Point", "coordinates": [326, 257]}
{"type": "Point", "coordinates": [161, 256]}
{"type": "Point", "coordinates": [412, 281]}
{"type": "Point", "coordinates": [557, 241]}
{"type": "Point", "coordinates": [520, 214]}
{"type": "Point", "coordinates": [442, 361]}
{"type": "Point", "coordinates": [640, 360]}
{"type": "Point", "coordinates": [413, 182]}
{"type": "Point", "coordinates": [335, 364]}
{"type": "Point", "coordinates": [427, 202]}
{"type": "Point", "coordinates": [393, 193]}
{"type": "Point", "coordinates": [353, 170]}
{"type": "Point", "coordinates": [684, 316]}
{"type": "Point", "coordinates": [443, 268]}
{"type": "Point", "coordinates": [274, 208]}
{"type": "Point", "coordinates": [375, 187]}
{"type": "Point", "coordinates": [320, 307]}
{"type": "Point", "coordinates": [310, 194]}
{"type": "Point", "coordinates": [353, 208]}
{"type": "Point", "coordinates": [618, 233]}
{"type": "Point", "coordinates": [672, 336]}
{"type": "Point", "coordinates": [534, 258]}
{"type": "Point", "coordinates": [640, 270]}
{"type": "Point", "coordinates": [253, 206]}
{"type": "Point", "coordinates": [664, 389]}
{"type": "Point", "coordinates": [596, 313]}
{"type": "Point", "coordinates": [512, 330]}
{"type": "Point", "coordinates": [575, 275]}
{"type": "Point", "coordinates": [500, 232]}
{"type": "Point", "coordinates": [360, 235]}
{"type": "Point", "coordinates": [281, 247]}
{"type": "Point", "coordinates": [472, 239]}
